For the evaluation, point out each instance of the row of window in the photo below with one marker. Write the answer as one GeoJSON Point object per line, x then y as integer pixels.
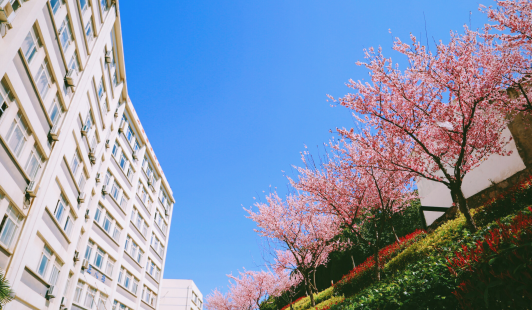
{"type": "Point", "coordinates": [139, 222]}
{"type": "Point", "coordinates": [107, 222]}
{"type": "Point", "coordinates": [115, 190]}
{"type": "Point", "coordinates": [123, 161]}
{"type": "Point", "coordinates": [153, 269]}
{"type": "Point", "coordinates": [157, 245]}
{"type": "Point", "coordinates": [99, 258]}
{"type": "Point", "coordinates": [133, 249]}
{"type": "Point", "coordinates": [128, 280]}
{"type": "Point", "coordinates": [89, 297]}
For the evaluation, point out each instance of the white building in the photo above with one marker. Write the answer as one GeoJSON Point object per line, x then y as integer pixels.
{"type": "Point", "coordinates": [180, 295]}
{"type": "Point", "coordinates": [86, 207]}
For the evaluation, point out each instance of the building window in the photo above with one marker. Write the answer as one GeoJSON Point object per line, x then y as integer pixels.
{"type": "Point", "coordinates": [83, 5]}
{"type": "Point", "coordinates": [43, 80]}
{"type": "Point", "coordinates": [79, 292]}
{"type": "Point", "coordinates": [123, 161]}
{"type": "Point", "coordinates": [101, 91]}
{"type": "Point", "coordinates": [98, 259]}
{"type": "Point", "coordinates": [89, 298]}
{"type": "Point", "coordinates": [55, 4]}
{"type": "Point", "coordinates": [65, 34]}
{"type": "Point", "coordinates": [107, 223]}
{"type": "Point", "coordinates": [115, 190]}
{"type": "Point", "coordinates": [60, 209]}
{"type": "Point", "coordinates": [88, 251]}
{"type": "Point", "coordinates": [4, 99]}
{"type": "Point", "coordinates": [34, 163]}
{"type": "Point", "coordinates": [73, 64]}
{"type": "Point", "coordinates": [54, 111]}
{"type": "Point", "coordinates": [123, 201]}
{"type": "Point", "coordinates": [116, 233]}
{"type": "Point", "coordinates": [53, 276]}
{"type": "Point", "coordinates": [63, 215]}
{"type": "Point", "coordinates": [29, 46]}
{"type": "Point", "coordinates": [115, 149]}
{"type": "Point", "coordinates": [46, 256]}
{"type": "Point", "coordinates": [16, 136]}
{"type": "Point", "coordinates": [109, 267]}
{"type": "Point", "coordinates": [88, 29]}
{"type": "Point", "coordinates": [101, 302]}
{"type": "Point", "coordinates": [10, 226]}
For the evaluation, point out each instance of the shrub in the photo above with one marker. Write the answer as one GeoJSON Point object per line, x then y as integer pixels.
{"type": "Point", "coordinates": [515, 198]}
{"type": "Point", "coordinates": [496, 272]}
{"type": "Point", "coordinates": [363, 275]}
{"type": "Point", "coordinates": [327, 304]}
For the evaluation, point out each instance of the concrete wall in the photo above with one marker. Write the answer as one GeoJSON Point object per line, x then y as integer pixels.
{"type": "Point", "coordinates": [178, 294]}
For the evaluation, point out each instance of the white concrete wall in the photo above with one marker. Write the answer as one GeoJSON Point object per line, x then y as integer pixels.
{"type": "Point", "coordinates": [177, 294]}
{"type": "Point", "coordinates": [493, 170]}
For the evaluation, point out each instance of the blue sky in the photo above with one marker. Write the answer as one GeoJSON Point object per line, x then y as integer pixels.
{"type": "Point", "coordinates": [230, 92]}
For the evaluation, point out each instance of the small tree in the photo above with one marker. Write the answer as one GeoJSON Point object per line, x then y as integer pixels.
{"type": "Point", "coordinates": [440, 117]}
{"type": "Point", "coordinates": [304, 234]}
{"type": "Point", "coordinates": [350, 188]}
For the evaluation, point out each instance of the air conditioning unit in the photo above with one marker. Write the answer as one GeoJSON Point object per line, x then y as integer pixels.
{"type": "Point", "coordinates": [85, 264]}
{"type": "Point", "coordinates": [92, 156]}
{"type": "Point", "coordinates": [71, 78]}
{"type": "Point", "coordinates": [31, 189]}
{"type": "Point", "coordinates": [81, 197]}
{"type": "Point", "coordinates": [76, 258]}
{"type": "Point", "coordinates": [107, 144]}
{"type": "Point", "coordinates": [54, 132]}
{"type": "Point", "coordinates": [150, 180]}
{"type": "Point", "coordinates": [122, 126]}
{"type": "Point", "coordinates": [85, 130]}
{"type": "Point", "coordinates": [166, 212]}
{"type": "Point", "coordinates": [64, 301]}
{"type": "Point", "coordinates": [98, 177]}
{"type": "Point", "coordinates": [49, 292]}
{"type": "Point", "coordinates": [104, 190]}
{"type": "Point", "coordinates": [135, 155]}
{"type": "Point", "coordinates": [87, 216]}
{"type": "Point", "coordinates": [109, 57]}
{"type": "Point", "coordinates": [116, 113]}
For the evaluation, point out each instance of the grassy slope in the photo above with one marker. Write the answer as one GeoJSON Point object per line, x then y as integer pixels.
{"type": "Point", "coordinates": [420, 269]}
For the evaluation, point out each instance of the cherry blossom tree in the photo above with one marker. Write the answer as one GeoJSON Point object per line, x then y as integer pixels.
{"type": "Point", "coordinates": [247, 291]}
{"type": "Point", "coordinates": [306, 236]}
{"type": "Point", "coordinates": [218, 301]}
{"type": "Point", "coordinates": [351, 188]}
{"type": "Point", "coordinates": [515, 16]}
{"type": "Point", "coordinates": [441, 116]}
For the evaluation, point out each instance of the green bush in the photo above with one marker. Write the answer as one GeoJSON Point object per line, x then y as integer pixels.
{"type": "Point", "coordinates": [327, 304]}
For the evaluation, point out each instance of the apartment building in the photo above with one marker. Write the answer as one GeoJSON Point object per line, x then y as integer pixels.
{"type": "Point", "coordinates": [180, 294]}
{"type": "Point", "coordinates": [85, 206]}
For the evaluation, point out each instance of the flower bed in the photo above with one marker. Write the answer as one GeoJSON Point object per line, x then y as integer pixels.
{"type": "Point", "coordinates": [363, 274]}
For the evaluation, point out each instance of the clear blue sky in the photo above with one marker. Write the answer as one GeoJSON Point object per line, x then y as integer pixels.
{"type": "Point", "coordinates": [229, 92]}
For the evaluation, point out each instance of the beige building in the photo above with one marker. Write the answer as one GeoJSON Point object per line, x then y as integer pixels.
{"type": "Point", "coordinates": [177, 294]}
{"type": "Point", "coordinates": [85, 206]}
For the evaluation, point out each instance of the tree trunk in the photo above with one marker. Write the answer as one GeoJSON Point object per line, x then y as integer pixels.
{"type": "Point", "coordinates": [314, 278]}
{"type": "Point", "coordinates": [353, 261]}
{"type": "Point", "coordinates": [291, 304]}
{"type": "Point", "coordinates": [461, 202]}
{"type": "Point", "coordinates": [308, 287]}
{"type": "Point", "coordinates": [395, 234]}
{"type": "Point", "coordinates": [376, 254]}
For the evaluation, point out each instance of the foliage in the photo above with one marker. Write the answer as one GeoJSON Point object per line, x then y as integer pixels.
{"type": "Point", "coordinates": [495, 272]}
{"type": "Point", "coordinates": [441, 237]}
{"type": "Point", "coordinates": [513, 199]}
{"type": "Point", "coordinates": [327, 304]}
{"type": "Point", "coordinates": [362, 276]}
{"type": "Point", "coordinates": [6, 293]}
